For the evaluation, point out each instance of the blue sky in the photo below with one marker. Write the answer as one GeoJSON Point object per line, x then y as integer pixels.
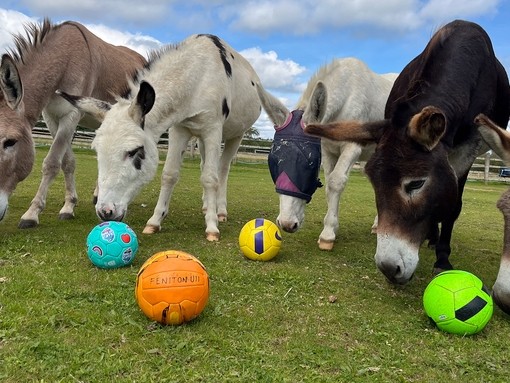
{"type": "Point", "coordinates": [285, 40]}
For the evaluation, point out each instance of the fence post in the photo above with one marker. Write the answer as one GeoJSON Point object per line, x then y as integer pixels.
{"type": "Point", "coordinates": [487, 165]}
{"type": "Point", "coordinates": [193, 145]}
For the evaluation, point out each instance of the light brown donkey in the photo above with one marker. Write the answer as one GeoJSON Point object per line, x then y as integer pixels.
{"type": "Point", "coordinates": [50, 57]}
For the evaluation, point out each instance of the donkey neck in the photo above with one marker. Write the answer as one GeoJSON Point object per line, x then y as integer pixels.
{"type": "Point", "coordinates": [157, 123]}
{"type": "Point", "coordinates": [40, 81]}
{"type": "Point", "coordinates": [58, 60]}
{"type": "Point", "coordinates": [184, 79]}
{"type": "Point", "coordinates": [171, 109]}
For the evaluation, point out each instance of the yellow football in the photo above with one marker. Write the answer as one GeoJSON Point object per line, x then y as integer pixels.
{"type": "Point", "coordinates": [260, 240]}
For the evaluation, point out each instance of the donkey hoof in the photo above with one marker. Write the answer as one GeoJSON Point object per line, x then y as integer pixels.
{"type": "Point", "coordinates": [213, 237]}
{"type": "Point", "coordinates": [150, 229]}
{"type": "Point", "coordinates": [222, 218]}
{"type": "Point", "coordinates": [439, 269]}
{"type": "Point", "coordinates": [66, 216]}
{"type": "Point", "coordinates": [325, 245]}
{"type": "Point", "coordinates": [27, 223]}
{"type": "Point", "coordinates": [501, 300]}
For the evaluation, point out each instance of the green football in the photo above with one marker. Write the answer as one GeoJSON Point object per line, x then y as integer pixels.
{"type": "Point", "coordinates": [458, 302]}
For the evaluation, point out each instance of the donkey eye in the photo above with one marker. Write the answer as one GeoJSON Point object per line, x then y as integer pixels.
{"type": "Point", "coordinates": [134, 152]}
{"type": "Point", "coordinates": [137, 156]}
{"type": "Point", "coordinates": [414, 185]}
{"type": "Point", "coordinates": [9, 143]}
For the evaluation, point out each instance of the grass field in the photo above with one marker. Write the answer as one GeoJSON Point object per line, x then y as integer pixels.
{"type": "Point", "coordinates": [63, 320]}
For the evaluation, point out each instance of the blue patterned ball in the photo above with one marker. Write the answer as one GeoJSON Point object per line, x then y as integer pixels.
{"type": "Point", "coordinates": [111, 244]}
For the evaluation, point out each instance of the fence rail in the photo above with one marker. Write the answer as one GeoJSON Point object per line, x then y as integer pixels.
{"type": "Point", "coordinates": [488, 167]}
{"type": "Point", "coordinates": [84, 138]}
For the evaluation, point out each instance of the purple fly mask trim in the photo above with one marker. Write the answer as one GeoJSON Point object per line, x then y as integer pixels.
{"type": "Point", "coordinates": [283, 182]}
{"type": "Point", "coordinates": [295, 159]}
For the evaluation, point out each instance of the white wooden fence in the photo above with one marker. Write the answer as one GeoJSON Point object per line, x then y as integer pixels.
{"type": "Point", "coordinates": [488, 167]}
{"type": "Point", "coordinates": [83, 138]}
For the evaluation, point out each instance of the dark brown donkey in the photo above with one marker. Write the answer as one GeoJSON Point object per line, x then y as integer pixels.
{"type": "Point", "coordinates": [50, 57]}
{"type": "Point", "coordinates": [427, 143]}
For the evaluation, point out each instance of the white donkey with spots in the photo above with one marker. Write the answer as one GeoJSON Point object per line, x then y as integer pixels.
{"type": "Point", "coordinates": [200, 87]}
{"type": "Point", "coordinates": [345, 89]}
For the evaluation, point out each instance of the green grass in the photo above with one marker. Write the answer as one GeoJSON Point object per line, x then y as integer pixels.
{"type": "Point", "coordinates": [63, 320]}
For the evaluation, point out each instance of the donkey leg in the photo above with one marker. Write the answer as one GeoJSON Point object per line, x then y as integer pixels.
{"type": "Point", "coordinates": [443, 247]}
{"type": "Point", "coordinates": [210, 182]}
{"type": "Point", "coordinates": [63, 136]}
{"type": "Point", "coordinates": [177, 141]}
{"type": "Point", "coordinates": [327, 236]}
{"type": "Point", "coordinates": [501, 288]}
{"type": "Point", "coordinates": [71, 197]}
{"type": "Point", "coordinates": [336, 175]}
{"type": "Point", "coordinates": [202, 156]}
{"type": "Point", "coordinates": [229, 151]}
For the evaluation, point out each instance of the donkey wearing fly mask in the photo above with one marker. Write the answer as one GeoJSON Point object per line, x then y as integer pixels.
{"type": "Point", "coordinates": [344, 89]}
{"type": "Point", "coordinates": [200, 87]}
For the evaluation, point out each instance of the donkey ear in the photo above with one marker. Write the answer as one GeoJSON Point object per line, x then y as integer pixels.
{"type": "Point", "coordinates": [316, 109]}
{"type": "Point", "coordinates": [143, 103]}
{"type": "Point", "coordinates": [497, 138]}
{"type": "Point", "coordinates": [427, 127]}
{"type": "Point", "coordinates": [10, 82]}
{"type": "Point", "coordinates": [353, 131]}
{"type": "Point", "coordinates": [274, 108]}
{"type": "Point", "coordinates": [96, 108]}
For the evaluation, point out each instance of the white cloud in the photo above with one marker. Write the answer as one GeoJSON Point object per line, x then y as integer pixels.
{"type": "Point", "coordinates": [133, 11]}
{"type": "Point", "coordinates": [277, 76]}
{"type": "Point", "coordinates": [140, 43]}
{"type": "Point", "coordinates": [449, 9]}
{"type": "Point", "coordinates": [12, 24]}
{"type": "Point", "coordinates": [274, 72]}
{"type": "Point", "coordinates": [264, 126]}
{"type": "Point", "coordinates": [265, 17]}
{"type": "Point", "coordinates": [302, 17]}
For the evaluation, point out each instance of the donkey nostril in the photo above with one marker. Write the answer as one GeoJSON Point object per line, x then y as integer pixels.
{"type": "Point", "coordinates": [390, 271]}
{"type": "Point", "coordinates": [290, 227]}
{"type": "Point", "coordinates": [106, 214]}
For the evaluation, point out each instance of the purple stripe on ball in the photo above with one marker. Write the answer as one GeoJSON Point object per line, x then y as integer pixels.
{"type": "Point", "coordinates": [259, 242]}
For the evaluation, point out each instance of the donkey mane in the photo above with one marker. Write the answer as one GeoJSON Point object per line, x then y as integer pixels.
{"type": "Point", "coordinates": [152, 57]}
{"type": "Point", "coordinates": [321, 73]}
{"type": "Point", "coordinates": [156, 54]}
{"type": "Point", "coordinates": [34, 36]}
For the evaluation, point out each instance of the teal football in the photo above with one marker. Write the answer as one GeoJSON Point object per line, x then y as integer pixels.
{"type": "Point", "coordinates": [458, 302]}
{"type": "Point", "coordinates": [111, 244]}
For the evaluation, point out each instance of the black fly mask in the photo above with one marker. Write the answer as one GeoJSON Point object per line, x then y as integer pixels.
{"type": "Point", "coordinates": [295, 159]}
